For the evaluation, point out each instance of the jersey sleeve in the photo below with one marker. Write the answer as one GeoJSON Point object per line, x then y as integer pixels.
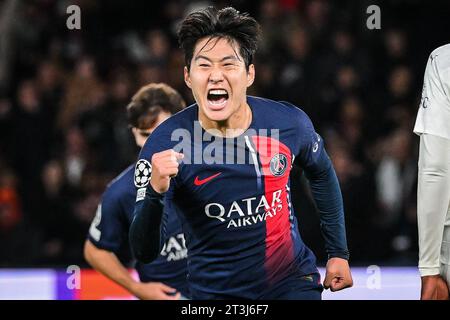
{"type": "Point", "coordinates": [433, 202]}
{"type": "Point", "coordinates": [157, 142]}
{"type": "Point", "coordinates": [433, 116]}
{"type": "Point", "coordinates": [147, 229]}
{"type": "Point", "coordinates": [311, 144]}
{"type": "Point", "coordinates": [313, 159]}
{"type": "Point", "coordinates": [107, 230]}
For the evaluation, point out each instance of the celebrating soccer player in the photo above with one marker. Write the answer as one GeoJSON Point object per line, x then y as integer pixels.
{"type": "Point", "coordinates": [224, 163]}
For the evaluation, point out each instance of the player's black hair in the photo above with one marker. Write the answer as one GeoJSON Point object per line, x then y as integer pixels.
{"type": "Point", "coordinates": [149, 101]}
{"type": "Point", "coordinates": [226, 23]}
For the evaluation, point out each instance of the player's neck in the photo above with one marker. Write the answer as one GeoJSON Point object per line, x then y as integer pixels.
{"type": "Point", "coordinates": [234, 126]}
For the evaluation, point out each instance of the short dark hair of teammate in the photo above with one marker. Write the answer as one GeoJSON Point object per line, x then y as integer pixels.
{"type": "Point", "coordinates": [226, 23]}
{"type": "Point", "coordinates": [149, 102]}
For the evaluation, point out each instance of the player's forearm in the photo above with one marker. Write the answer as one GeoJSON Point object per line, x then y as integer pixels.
{"type": "Point", "coordinates": [145, 229]}
{"type": "Point", "coordinates": [327, 195]}
{"type": "Point", "coordinates": [432, 200]}
{"type": "Point", "coordinates": [107, 264]}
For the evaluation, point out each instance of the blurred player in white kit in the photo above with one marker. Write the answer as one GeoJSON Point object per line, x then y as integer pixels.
{"type": "Point", "coordinates": [433, 203]}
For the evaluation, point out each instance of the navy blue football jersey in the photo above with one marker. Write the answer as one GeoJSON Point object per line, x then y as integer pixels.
{"type": "Point", "coordinates": [233, 198]}
{"type": "Point", "coordinates": [109, 231]}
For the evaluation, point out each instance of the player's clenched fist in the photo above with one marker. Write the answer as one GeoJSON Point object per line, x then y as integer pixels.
{"type": "Point", "coordinates": [338, 275]}
{"type": "Point", "coordinates": [164, 166]}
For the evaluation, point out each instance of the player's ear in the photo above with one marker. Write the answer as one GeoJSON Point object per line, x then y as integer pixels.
{"type": "Point", "coordinates": [135, 134]}
{"type": "Point", "coordinates": [187, 78]}
{"type": "Point", "coordinates": [250, 75]}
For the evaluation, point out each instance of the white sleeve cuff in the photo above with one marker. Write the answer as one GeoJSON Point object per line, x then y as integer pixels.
{"type": "Point", "coordinates": [429, 271]}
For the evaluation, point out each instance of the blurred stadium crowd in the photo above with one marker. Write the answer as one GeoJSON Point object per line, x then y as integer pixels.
{"type": "Point", "coordinates": [64, 135]}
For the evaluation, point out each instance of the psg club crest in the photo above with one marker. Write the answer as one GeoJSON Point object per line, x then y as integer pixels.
{"type": "Point", "coordinates": [142, 173]}
{"type": "Point", "coordinates": [278, 164]}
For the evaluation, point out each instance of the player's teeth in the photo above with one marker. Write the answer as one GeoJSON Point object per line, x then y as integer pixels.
{"type": "Point", "coordinates": [217, 92]}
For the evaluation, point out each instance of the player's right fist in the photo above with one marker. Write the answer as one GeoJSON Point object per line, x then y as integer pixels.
{"type": "Point", "coordinates": [164, 166]}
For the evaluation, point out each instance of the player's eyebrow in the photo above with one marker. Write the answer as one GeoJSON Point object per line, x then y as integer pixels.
{"type": "Point", "coordinates": [230, 57]}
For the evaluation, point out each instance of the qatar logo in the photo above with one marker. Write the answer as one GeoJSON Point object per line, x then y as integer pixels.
{"type": "Point", "coordinates": [278, 164]}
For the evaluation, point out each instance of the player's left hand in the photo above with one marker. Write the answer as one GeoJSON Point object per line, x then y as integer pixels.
{"type": "Point", "coordinates": [338, 275]}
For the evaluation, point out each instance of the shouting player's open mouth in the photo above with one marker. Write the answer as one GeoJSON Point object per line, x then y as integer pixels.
{"type": "Point", "coordinates": [217, 99]}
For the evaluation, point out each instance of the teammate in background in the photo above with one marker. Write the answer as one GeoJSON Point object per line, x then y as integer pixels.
{"type": "Point", "coordinates": [165, 277]}
{"type": "Point", "coordinates": [433, 194]}
{"type": "Point", "coordinates": [241, 233]}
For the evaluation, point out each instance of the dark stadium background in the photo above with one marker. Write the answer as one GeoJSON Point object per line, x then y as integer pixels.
{"type": "Point", "coordinates": [63, 133]}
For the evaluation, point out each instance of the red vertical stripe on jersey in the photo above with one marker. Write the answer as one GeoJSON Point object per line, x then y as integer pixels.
{"type": "Point", "coordinates": [279, 244]}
